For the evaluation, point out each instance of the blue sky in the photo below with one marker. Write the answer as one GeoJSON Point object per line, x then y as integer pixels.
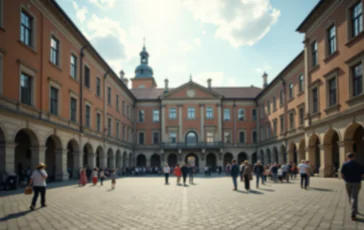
{"type": "Point", "coordinates": [231, 41]}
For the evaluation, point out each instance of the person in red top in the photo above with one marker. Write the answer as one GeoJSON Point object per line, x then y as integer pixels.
{"type": "Point", "coordinates": [177, 172]}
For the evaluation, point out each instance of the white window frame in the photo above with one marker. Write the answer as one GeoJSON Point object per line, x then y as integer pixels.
{"type": "Point", "coordinates": [87, 103]}
{"type": "Point", "coordinates": [225, 141]}
{"type": "Point", "coordinates": [169, 114]}
{"type": "Point", "coordinates": [210, 137]}
{"type": "Point", "coordinates": [159, 137]}
{"type": "Point", "coordinates": [299, 83]}
{"type": "Point", "coordinates": [74, 96]}
{"type": "Point", "coordinates": [349, 20]}
{"type": "Point", "coordinates": [109, 97]}
{"type": "Point", "coordinates": [356, 61]}
{"type": "Point", "coordinates": [241, 109]}
{"type": "Point", "coordinates": [290, 90]}
{"type": "Point", "coordinates": [328, 79]}
{"type": "Point", "coordinates": [100, 93]}
{"type": "Point", "coordinates": [33, 44]}
{"type": "Point", "coordinates": [158, 120]}
{"type": "Point", "coordinates": [229, 116]}
{"type": "Point", "coordinates": [76, 66]}
{"type": "Point", "coordinates": [311, 54]}
{"type": "Point", "coordinates": [170, 137]}
{"type": "Point", "coordinates": [31, 73]}
{"type": "Point", "coordinates": [139, 117]}
{"type": "Point", "coordinates": [327, 43]}
{"type": "Point", "coordinates": [188, 113]}
{"type": "Point", "coordinates": [99, 113]}
{"type": "Point", "coordinates": [59, 54]}
{"type": "Point", "coordinates": [58, 86]}
{"type": "Point", "coordinates": [208, 112]}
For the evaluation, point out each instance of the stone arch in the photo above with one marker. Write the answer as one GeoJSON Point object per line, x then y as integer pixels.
{"type": "Point", "coordinates": [110, 158]}
{"type": "Point", "coordinates": [228, 158]}
{"type": "Point", "coordinates": [302, 151]}
{"type": "Point", "coordinates": [242, 156]}
{"type": "Point", "coordinates": [354, 141]}
{"type": "Point", "coordinates": [87, 156]}
{"type": "Point", "coordinates": [119, 159]}
{"type": "Point", "coordinates": [211, 161]}
{"type": "Point", "coordinates": [100, 157]}
{"type": "Point", "coordinates": [172, 160]}
{"type": "Point", "coordinates": [141, 160]}
{"type": "Point", "coordinates": [269, 157]}
{"type": "Point", "coordinates": [73, 150]}
{"type": "Point", "coordinates": [53, 157]}
{"type": "Point", "coordinates": [314, 153]}
{"type": "Point", "coordinates": [292, 153]}
{"type": "Point", "coordinates": [155, 161]}
{"type": "Point", "coordinates": [275, 154]}
{"type": "Point", "coordinates": [192, 158]}
{"type": "Point", "coordinates": [331, 154]}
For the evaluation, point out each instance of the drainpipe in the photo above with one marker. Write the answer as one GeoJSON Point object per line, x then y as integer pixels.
{"type": "Point", "coordinates": [81, 86]}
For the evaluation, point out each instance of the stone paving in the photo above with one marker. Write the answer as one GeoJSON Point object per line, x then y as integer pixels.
{"type": "Point", "coordinates": [146, 203]}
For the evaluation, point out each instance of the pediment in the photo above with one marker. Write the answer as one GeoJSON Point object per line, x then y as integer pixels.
{"type": "Point", "coordinates": [191, 90]}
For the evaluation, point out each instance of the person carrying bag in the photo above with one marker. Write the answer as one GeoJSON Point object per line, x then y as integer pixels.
{"type": "Point", "coordinates": [38, 179]}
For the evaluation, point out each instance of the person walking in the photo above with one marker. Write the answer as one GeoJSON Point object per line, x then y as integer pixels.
{"type": "Point", "coordinates": [102, 177]}
{"type": "Point", "coordinates": [94, 176]}
{"type": "Point", "coordinates": [113, 179]}
{"type": "Point", "coordinates": [247, 175]}
{"type": "Point", "coordinates": [234, 172]}
{"type": "Point", "coordinates": [352, 172]}
{"type": "Point", "coordinates": [285, 169]}
{"type": "Point", "coordinates": [274, 171]}
{"type": "Point", "coordinates": [166, 171]}
{"type": "Point", "coordinates": [184, 171]}
{"type": "Point", "coordinates": [258, 170]}
{"type": "Point", "coordinates": [177, 172]}
{"type": "Point", "coordinates": [38, 180]}
{"type": "Point", "coordinates": [191, 171]}
{"type": "Point", "coordinates": [83, 178]}
{"type": "Point", "coordinates": [241, 170]}
{"type": "Point", "coordinates": [304, 172]}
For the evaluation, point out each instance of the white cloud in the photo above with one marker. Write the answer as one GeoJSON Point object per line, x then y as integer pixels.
{"type": "Point", "coordinates": [241, 22]}
{"type": "Point", "coordinates": [104, 3]}
{"type": "Point", "coordinates": [184, 47]}
{"type": "Point", "coordinates": [80, 12]}
{"type": "Point", "coordinates": [218, 79]}
{"type": "Point", "coordinates": [197, 41]}
{"type": "Point", "coordinates": [265, 68]}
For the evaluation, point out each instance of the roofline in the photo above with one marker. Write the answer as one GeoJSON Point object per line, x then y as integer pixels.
{"type": "Point", "coordinates": [59, 8]}
{"type": "Point", "coordinates": [309, 15]}
{"type": "Point", "coordinates": [278, 77]}
{"type": "Point", "coordinates": [238, 98]}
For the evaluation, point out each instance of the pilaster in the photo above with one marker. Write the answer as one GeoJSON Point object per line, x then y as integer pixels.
{"type": "Point", "coordinates": [61, 164]}
{"type": "Point", "coordinates": [163, 124]}
{"type": "Point", "coordinates": [9, 152]}
{"type": "Point", "coordinates": [219, 138]}
{"type": "Point", "coordinates": [180, 123]}
{"type": "Point", "coordinates": [202, 121]}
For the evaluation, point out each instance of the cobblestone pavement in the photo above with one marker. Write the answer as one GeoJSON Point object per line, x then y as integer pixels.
{"type": "Point", "coordinates": [146, 203]}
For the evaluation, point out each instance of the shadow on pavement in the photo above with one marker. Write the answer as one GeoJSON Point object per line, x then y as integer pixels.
{"type": "Point", "coordinates": [267, 190]}
{"type": "Point", "coordinates": [14, 215]}
{"type": "Point", "coordinates": [361, 220]}
{"type": "Point", "coordinates": [321, 189]}
{"type": "Point", "coordinates": [256, 192]}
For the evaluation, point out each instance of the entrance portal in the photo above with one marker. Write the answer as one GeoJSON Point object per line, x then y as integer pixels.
{"type": "Point", "coordinates": [192, 159]}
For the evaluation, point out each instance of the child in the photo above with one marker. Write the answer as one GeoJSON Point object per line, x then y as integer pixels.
{"type": "Point", "coordinates": [102, 176]}
{"type": "Point", "coordinates": [113, 179]}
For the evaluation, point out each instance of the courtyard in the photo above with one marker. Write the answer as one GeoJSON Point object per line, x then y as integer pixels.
{"type": "Point", "coordinates": [146, 203]}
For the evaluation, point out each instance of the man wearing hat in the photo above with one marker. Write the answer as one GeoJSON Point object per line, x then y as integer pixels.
{"type": "Point", "coordinates": [38, 179]}
{"type": "Point", "coordinates": [352, 172]}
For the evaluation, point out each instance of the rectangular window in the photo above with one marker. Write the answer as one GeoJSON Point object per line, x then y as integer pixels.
{"type": "Point", "coordinates": [141, 116]}
{"type": "Point", "coordinates": [274, 104]}
{"type": "Point", "coordinates": [209, 113]}
{"type": "Point", "coordinates": [109, 96]}
{"type": "Point", "coordinates": [109, 126]}
{"type": "Point", "coordinates": [315, 100]}
{"type": "Point", "coordinates": [290, 90]}
{"type": "Point", "coordinates": [241, 137]}
{"type": "Point", "coordinates": [172, 113]}
{"type": "Point", "coordinates": [127, 110]}
{"type": "Point", "coordinates": [54, 51]}
{"type": "Point", "coordinates": [26, 29]}
{"type": "Point", "coordinates": [357, 72]}
{"type": "Point", "coordinates": [54, 101]}
{"type": "Point", "coordinates": [241, 115]}
{"type": "Point", "coordinates": [98, 87]}
{"type": "Point", "coordinates": [210, 137]}
{"type": "Point", "coordinates": [254, 137]}
{"type": "Point", "coordinates": [117, 103]}
{"type": "Point", "coordinates": [117, 130]}
{"type": "Point", "coordinates": [98, 122]}
{"type": "Point", "coordinates": [87, 77]}
{"type": "Point", "coordinates": [191, 113]}
{"type": "Point", "coordinates": [254, 114]}
{"type": "Point", "coordinates": [226, 114]}
{"type": "Point", "coordinates": [156, 115]}
{"type": "Point", "coordinates": [26, 89]}
{"type": "Point", "coordinates": [227, 137]}
{"type": "Point", "coordinates": [268, 106]}
{"type": "Point", "coordinates": [123, 133]}
{"type": "Point", "coordinates": [123, 108]}
{"type": "Point", "coordinates": [314, 53]}
{"type": "Point", "coordinates": [281, 97]}
{"type": "Point", "coordinates": [141, 138]}
{"type": "Point", "coordinates": [73, 114]}
{"type": "Point", "coordinates": [172, 138]}
{"type": "Point", "coordinates": [357, 19]}
{"type": "Point", "coordinates": [282, 123]}
{"type": "Point", "coordinates": [332, 92]}
{"type": "Point", "coordinates": [291, 121]}
{"type": "Point", "coordinates": [275, 127]}
{"type": "Point", "coordinates": [156, 138]}
{"type": "Point", "coordinates": [88, 116]}
{"type": "Point", "coordinates": [301, 83]}
{"type": "Point", "coordinates": [331, 36]}
{"type": "Point", "coordinates": [73, 69]}
{"type": "Point", "coordinates": [302, 115]}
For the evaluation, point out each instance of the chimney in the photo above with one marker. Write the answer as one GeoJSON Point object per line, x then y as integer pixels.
{"type": "Point", "coordinates": [166, 85]}
{"type": "Point", "coordinates": [209, 83]}
{"type": "Point", "coordinates": [265, 80]}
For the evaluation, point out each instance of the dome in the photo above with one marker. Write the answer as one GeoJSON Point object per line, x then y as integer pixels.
{"type": "Point", "coordinates": [143, 71]}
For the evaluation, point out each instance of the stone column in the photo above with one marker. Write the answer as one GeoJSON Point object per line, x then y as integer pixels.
{"type": "Point", "coordinates": [103, 161]}
{"type": "Point", "coordinates": [344, 148]}
{"type": "Point", "coordinates": [311, 157]}
{"type": "Point", "coordinates": [9, 153]}
{"type": "Point", "coordinates": [219, 117]}
{"type": "Point", "coordinates": [38, 155]}
{"type": "Point", "coordinates": [326, 167]}
{"type": "Point", "coordinates": [202, 125]}
{"type": "Point", "coordinates": [180, 124]}
{"type": "Point", "coordinates": [61, 165]}
{"type": "Point", "coordinates": [266, 161]}
{"type": "Point", "coordinates": [91, 158]}
{"type": "Point", "coordinates": [164, 139]}
{"type": "Point", "coordinates": [77, 163]}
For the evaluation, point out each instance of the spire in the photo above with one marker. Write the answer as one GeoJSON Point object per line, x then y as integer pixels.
{"type": "Point", "coordinates": [144, 44]}
{"type": "Point", "coordinates": [190, 76]}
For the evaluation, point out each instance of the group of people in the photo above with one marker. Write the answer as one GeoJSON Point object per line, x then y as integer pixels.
{"type": "Point", "coordinates": [186, 169]}
{"type": "Point", "coordinates": [97, 174]}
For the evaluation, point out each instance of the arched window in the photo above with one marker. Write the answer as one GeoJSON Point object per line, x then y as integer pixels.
{"type": "Point", "coordinates": [191, 139]}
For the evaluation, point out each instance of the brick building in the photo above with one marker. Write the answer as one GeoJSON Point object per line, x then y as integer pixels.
{"type": "Point", "coordinates": [62, 104]}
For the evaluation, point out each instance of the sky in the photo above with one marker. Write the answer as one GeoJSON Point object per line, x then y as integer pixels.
{"type": "Point", "coordinates": [233, 42]}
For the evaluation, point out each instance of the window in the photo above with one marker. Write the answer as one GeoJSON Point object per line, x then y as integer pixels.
{"type": "Point", "coordinates": [268, 106]}
{"type": "Point", "coordinates": [123, 108]}
{"type": "Point", "coordinates": [274, 104]}
{"type": "Point", "coordinates": [123, 133]}
{"type": "Point", "coordinates": [172, 113]}
{"type": "Point", "coordinates": [155, 138]}
{"type": "Point", "coordinates": [291, 121]}
{"type": "Point", "coordinates": [301, 83]}
{"type": "Point", "coordinates": [282, 124]}
{"type": "Point", "coordinates": [254, 136]}
{"type": "Point", "coordinates": [241, 114]}
{"type": "Point", "coordinates": [281, 97]}
{"type": "Point", "coordinates": [88, 116]}
{"type": "Point", "coordinates": [87, 77]}
{"type": "Point", "coordinates": [73, 69]}
{"type": "Point", "coordinates": [73, 114]}
{"type": "Point", "coordinates": [241, 137]}
{"type": "Point", "coordinates": [209, 113]}
{"type": "Point", "coordinates": [275, 127]}
{"type": "Point", "coordinates": [172, 138]}
{"type": "Point", "coordinates": [109, 96]}
{"type": "Point", "coordinates": [226, 114]}
{"type": "Point", "coordinates": [290, 90]}
{"type": "Point", "coordinates": [227, 137]}
{"type": "Point", "coordinates": [191, 139]}
{"type": "Point", "coordinates": [109, 126]}
{"type": "Point", "coordinates": [141, 116]}
{"type": "Point", "coordinates": [156, 115]}
{"type": "Point", "coordinates": [357, 72]}
{"type": "Point", "coordinates": [127, 110]}
{"type": "Point", "coordinates": [117, 130]}
{"type": "Point", "coordinates": [302, 115]}
{"type": "Point", "coordinates": [191, 113]}
{"type": "Point", "coordinates": [356, 19]}
{"type": "Point", "coordinates": [98, 122]}
{"type": "Point", "coordinates": [26, 89]}
{"type": "Point", "coordinates": [54, 101]}
{"type": "Point", "coordinates": [210, 137]}
{"type": "Point", "coordinates": [98, 87]}
{"type": "Point", "coordinates": [314, 100]}
{"type": "Point", "coordinates": [54, 51]}
{"type": "Point", "coordinates": [314, 53]}
{"type": "Point", "coordinates": [331, 36]}
{"type": "Point", "coordinates": [332, 91]}
{"type": "Point", "coordinates": [254, 114]}
{"type": "Point", "coordinates": [26, 29]}
{"type": "Point", "coordinates": [141, 138]}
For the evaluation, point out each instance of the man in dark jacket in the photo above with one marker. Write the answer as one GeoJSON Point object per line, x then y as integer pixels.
{"type": "Point", "coordinates": [184, 170]}
{"type": "Point", "coordinates": [258, 170]}
{"type": "Point", "coordinates": [234, 174]}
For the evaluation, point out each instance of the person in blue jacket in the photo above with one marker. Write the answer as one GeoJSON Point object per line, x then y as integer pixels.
{"type": "Point", "coordinates": [234, 172]}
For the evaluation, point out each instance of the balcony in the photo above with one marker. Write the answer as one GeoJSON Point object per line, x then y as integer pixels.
{"type": "Point", "coordinates": [200, 145]}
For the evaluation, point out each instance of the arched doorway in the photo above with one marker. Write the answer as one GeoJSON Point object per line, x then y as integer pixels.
{"type": "Point", "coordinates": [87, 155]}
{"type": "Point", "coordinates": [262, 157]}
{"type": "Point", "coordinates": [125, 160]}
{"type": "Point", "coordinates": [191, 138]}
{"type": "Point", "coordinates": [172, 160]}
{"type": "Point", "coordinates": [242, 157]}
{"type": "Point", "coordinates": [301, 151]}
{"type": "Point", "coordinates": [100, 158]}
{"type": "Point", "coordinates": [358, 145]}
{"type": "Point", "coordinates": [110, 159]}
{"type": "Point", "coordinates": [192, 158]}
{"type": "Point", "coordinates": [119, 159]}
{"type": "Point", "coordinates": [53, 162]}
{"type": "Point", "coordinates": [269, 157]}
{"type": "Point", "coordinates": [314, 153]}
{"type": "Point", "coordinates": [72, 149]}
{"type": "Point", "coordinates": [331, 156]}
{"type": "Point", "coordinates": [254, 158]}
{"type": "Point", "coordinates": [228, 158]}
{"type": "Point", "coordinates": [155, 161]}
{"type": "Point", "coordinates": [141, 161]}
{"type": "Point", "coordinates": [211, 161]}
{"type": "Point", "coordinates": [275, 155]}
{"type": "Point", "coordinates": [292, 153]}
{"type": "Point", "coordinates": [26, 142]}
